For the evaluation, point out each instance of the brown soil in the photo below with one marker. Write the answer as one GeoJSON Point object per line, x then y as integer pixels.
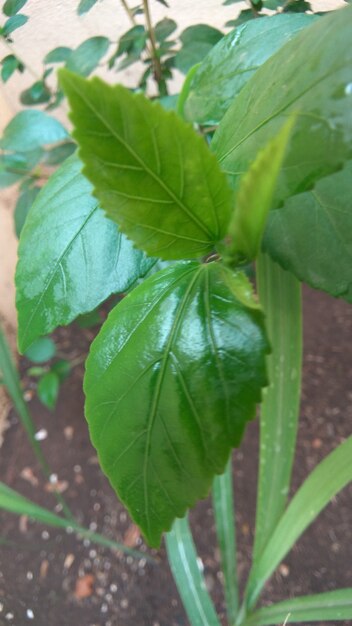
{"type": "Point", "coordinates": [40, 567]}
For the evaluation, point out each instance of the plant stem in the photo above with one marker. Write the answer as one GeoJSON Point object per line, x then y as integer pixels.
{"type": "Point", "coordinates": [158, 74]}
{"type": "Point", "coordinates": [129, 12]}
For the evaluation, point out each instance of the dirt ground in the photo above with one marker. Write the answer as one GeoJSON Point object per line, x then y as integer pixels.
{"type": "Point", "coordinates": [45, 572]}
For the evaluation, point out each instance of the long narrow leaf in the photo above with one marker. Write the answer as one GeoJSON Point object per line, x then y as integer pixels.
{"type": "Point", "coordinates": [12, 383]}
{"type": "Point", "coordinates": [324, 482]}
{"type": "Point", "coordinates": [333, 605]}
{"type": "Point", "coordinates": [280, 296]}
{"type": "Point", "coordinates": [13, 502]}
{"type": "Point", "coordinates": [188, 577]}
{"type": "Point", "coordinates": [225, 527]}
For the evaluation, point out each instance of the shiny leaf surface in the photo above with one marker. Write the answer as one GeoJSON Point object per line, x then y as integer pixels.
{"type": "Point", "coordinates": [29, 130]}
{"type": "Point", "coordinates": [324, 259]}
{"type": "Point", "coordinates": [232, 62]}
{"type": "Point", "coordinates": [171, 379]}
{"type": "Point", "coordinates": [311, 75]}
{"type": "Point", "coordinates": [151, 172]}
{"type": "Point", "coordinates": [86, 57]}
{"type": "Point", "coordinates": [71, 257]}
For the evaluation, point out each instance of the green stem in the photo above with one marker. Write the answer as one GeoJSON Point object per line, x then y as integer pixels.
{"type": "Point", "coordinates": [158, 73]}
{"type": "Point", "coordinates": [223, 503]}
{"type": "Point", "coordinates": [129, 12]}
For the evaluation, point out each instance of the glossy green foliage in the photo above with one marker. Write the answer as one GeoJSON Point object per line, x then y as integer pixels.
{"type": "Point", "coordinates": [71, 257]}
{"type": "Point", "coordinates": [196, 42]}
{"type": "Point", "coordinates": [151, 172]}
{"type": "Point", "coordinates": [85, 6]}
{"type": "Point", "coordinates": [130, 47]}
{"type": "Point", "coordinates": [172, 378]}
{"type": "Point", "coordinates": [311, 75]}
{"type": "Point", "coordinates": [9, 65]}
{"type": "Point", "coordinates": [11, 7]}
{"type": "Point", "coordinates": [311, 235]}
{"type": "Point", "coordinates": [29, 130]}
{"type": "Point", "coordinates": [14, 22]}
{"type": "Point", "coordinates": [48, 389]}
{"type": "Point", "coordinates": [41, 351]}
{"type": "Point", "coordinates": [38, 93]}
{"type": "Point", "coordinates": [254, 200]}
{"type": "Point", "coordinates": [232, 62]}
{"type": "Point", "coordinates": [58, 55]}
{"type": "Point", "coordinates": [84, 59]}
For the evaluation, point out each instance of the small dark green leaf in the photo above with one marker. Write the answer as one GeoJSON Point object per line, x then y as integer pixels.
{"type": "Point", "coordinates": [297, 6]}
{"type": "Point", "coordinates": [11, 7]}
{"type": "Point", "coordinates": [71, 257]}
{"type": "Point", "coordinates": [311, 235]}
{"type": "Point", "coordinates": [9, 65]}
{"type": "Point", "coordinates": [41, 350]}
{"type": "Point", "coordinates": [48, 389]}
{"type": "Point", "coordinates": [22, 207]}
{"type": "Point", "coordinates": [29, 130]}
{"type": "Point", "coordinates": [233, 61]}
{"type": "Point", "coordinates": [85, 6]}
{"type": "Point", "coordinates": [245, 16]}
{"type": "Point", "coordinates": [197, 41]}
{"type": "Point", "coordinates": [62, 369]}
{"type": "Point", "coordinates": [89, 320]}
{"type": "Point", "coordinates": [319, 90]}
{"type": "Point", "coordinates": [164, 29]}
{"type": "Point", "coordinates": [38, 93]}
{"type": "Point", "coordinates": [58, 55]}
{"type": "Point", "coordinates": [58, 154]}
{"type": "Point", "coordinates": [132, 43]}
{"type": "Point", "coordinates": [36, 371]}
{"type": "Point", "coordinates": [163, 2]}
{"type": "Point", "coordinates": [171, 380]}
{"type": "Point", "coordinates": [14, 22]}
{"type": "Point", "coordinates": [152, 173]}
{"type": "Point", "coordinates": [87, 56]}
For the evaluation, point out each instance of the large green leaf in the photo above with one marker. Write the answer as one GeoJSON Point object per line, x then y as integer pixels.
{"type": "Point", "coordinates": [312, 75]}
{"type": "Point", "coordinates": [71, 257]}
{"type": "Point", "coordinates": [151, 171]}
{"type": "Point", "coordinates": [232, 62]}
{"type": "Point", "coordinates": [324, 259]}
{"type": "Point", "coordinates": [171, 380]}
{"type": "Point", "coordinates": [29, 130]}
{"type": "Point", "coordinates": [197, 41]}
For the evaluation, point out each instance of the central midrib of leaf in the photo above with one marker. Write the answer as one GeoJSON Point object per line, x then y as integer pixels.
{"type": "Point", "coordinates": [159, 382]}
{"type": "Point", "coordinates": [142, 163]}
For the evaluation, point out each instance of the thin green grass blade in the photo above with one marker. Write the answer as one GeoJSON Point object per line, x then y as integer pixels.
{"type": "Point", "coordinates": [280, 296]}
{"type": "Point", "coordinates": [324, 482]}
{"type": "Point", "coordinates": [188, 577]}
{"type": "Point", "coordinates": [12, 383]}
{"type": "Point", "coordinates": [13, 502]}
{"type": "Point", "coordinates": [333, 605]}
{"type": "Point", "coordinates": [223, 503]}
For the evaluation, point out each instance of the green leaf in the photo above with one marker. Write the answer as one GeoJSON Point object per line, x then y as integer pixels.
{"type": "Point", "coordinates": [11, 7]}
{"type": "Point", "coordinates": [41, 350]}
{"type": "Point", "coordinates": [9, 65]}
{"type": "Point", "coordinates": [48, 389]}
{"type": "Point", "coordinates": [152, 173]}
{"type": "Point", "coordinates": [254, 200]}
{"type": "Point", "coordinates": [58, 154]}
{"type": "Point", "coordinates": [280, 297]}
{"type": "Point", "coordinates": [62, 369]}
{"type": "Point", "coordinates": [38, 93]}
{"type": "Point", "coordinates": [58, 55]}
{"type": "Point", "coordinates": [22, 207]}
{"type": "Point", "coordinates": [234, 60]}
{"type": "Point", "coordinates": [89, 320]}
{"type": "Point", "coordinates": [197, 41]}
{"type": "Point", "coordinates": [311, 235]}
{"type": "Point", "coordinates": [85, 6]}
{"type": "Point", "coordinates": [14, 22]}
{"type": "Point", "coordinates": [332, 605]}
{"type": "Point", "coordinates": [324, 482]}
{"type": "Point", "coordinates": [223, 504]}
{"type": "Point", "coordinates": [71, 257]}
{"type": "Point", "coordinates": [164, 29]}
{"type": "Point", "coordinates": [319, 91]}
{"type": "Point", "coordinates": [132, 43]}
{"type": "Point", "coordinates": [29, 130]}
{"type": "Point", "coordinates": [87, 56]}
{"type": "Point", "coordinates": [14, 502]}
{"type": "Point", "coordinates": [171, 380]}
{"type": "Point", "coordinates": [297, 6]}
{"type": "Point", "coordinates": [184, 563]}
